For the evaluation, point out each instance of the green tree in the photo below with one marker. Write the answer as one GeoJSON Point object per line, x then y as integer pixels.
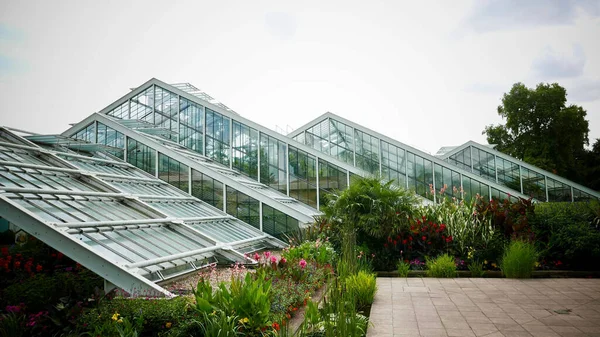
{"type": "Point", "coordinates": [542, 129]}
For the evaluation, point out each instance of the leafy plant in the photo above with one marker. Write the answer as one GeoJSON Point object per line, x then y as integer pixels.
{"type": "Point", "coordinates": [403, 269]}
{"type": "Point", "coordinates": [321, 251]}
{"type": "Point", "coordinates": [362, 287]}
{"type": "Point", "coordinates": [442, 266]}
{"type": "Point", "coordinates": [248, 298]}
{"type": "Point", "coordinates": [476, 269]}
{"type": "Point", "coordinates": [519, 259]}
{"type": "Point", "coordinates": [509, 216]}
{"type": "Point", "coordinates": [12, 324]}
{"type": "Point", "coordinates": [461, 222]}
{"type": "Point", "coordinates": [219, 324]}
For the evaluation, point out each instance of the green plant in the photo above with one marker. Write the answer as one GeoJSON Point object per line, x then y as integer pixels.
{"type": "Point", "coordinates": [362, 287]}
{"type": "Point", "coordinates": [509, 216]}
{"type": "Point", "coordinates": [371, 206]}
{"type": "Point", "coordinates": [321, 251]}
{"type": "Point", "coordinates": [460, 219]}
{"type": "Point", "coordinates": [403, 269]}
{"type": "Point", "coordinates": [337, 317]}
{"type": "Point", "coordinates": [116, 325]}
{"type": "Point", "coordinates": [519, 259]}
{"type": "Point", "coordinates": [219, 324]}
{"type": "Point", "coordinates": [442, 266]}
{"type": "Point", "coordinates": [476, 269]}
{"type": "Point", "coordinates": [248, 298]}
{"type": "Point", "coordinates": [13, 325]}
{"type": "Point", "coordinates": [566, 234]}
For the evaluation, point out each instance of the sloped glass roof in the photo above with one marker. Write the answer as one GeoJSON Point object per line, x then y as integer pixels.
{"type": "Point", "coordinates": [127, 226]}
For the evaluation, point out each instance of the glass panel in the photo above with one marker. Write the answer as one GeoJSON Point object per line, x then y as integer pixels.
{"type": "Point", "coordinates": [462, 159]}
{"type": "Point", "coordinates": [367, 152]}
{"type": "Point", "coordinates": [191, 120]}
{"type": "Point", "coordinates": [122, 111]}
{"type": "Point", "coordinates": [273, 163]}
{"type": "Point", "coordinates": [173, 172]}
{"type": "Point", "coordinates": [217, 137]}
{"type": "Point", "coordinates": [277, 223]}
{"type": "Point", "coordinates": [142, 106]}
{"type": "Point", "coordinates": [331, 178]}
{"type": "Point", "coordinates": [302, 176]}
{"type": "Point", "coordinates": [508, 174]}
{"type": "Point", "coordinates": [582, 196]}
{"type": "Point", "coordinates": [533, 184]}
{"type": "Point", "coordinates": [484, 164]}
{"type": "Point", "coordinates": [393, 165]}
{"type": "Point", "coordinates": [243, 207]}
{"type": "Point", "coordinates": [558, 191]}
{"type": "Point", "coordinates": [141, 156]}
{"type": "Point", "coordinates": [207, 189]}
{"type": "Point", "coordinates": [245, 149]}
{"type": "Point", "coordinates": [166, 108]}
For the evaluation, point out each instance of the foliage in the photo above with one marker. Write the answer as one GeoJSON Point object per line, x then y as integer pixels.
{"type": "Point", "coordinates": [567, 235]}
{"type": "Point", "coordinates": [337, 317]}
{"type": "Point", "coordinates": [519, 259]}
{"type": "Point", "coordinates": [422, 239]}
{"type": "Point", "coordinates": [159, 315]}
{"type": "Point", "coordinates": [509, 216]}
{"type": "Point", "coordinates": [442, 266]}
{"type": "Point", "coordinates": [371, 206]}
{"type": "Point", "coordinates": [248, 298]}
{"type": "Point", "coordinates": [476, 269]}
{"type": "Point", "coordinates": [321, 251]}
{"type": "Point", "coordinates": [362, 287]}
{"type": "Point", "coordinates": [12, 324]}
{"type": "Point", "coordinates": [403, 269]}
{"type": "Point", "coordinates": [461, 220]}
{"type": "Point", "coordinates": [219, 324]}
{"type": "Point", "coordinates": [116, 325]}
{"type": "Point", "coordinates": [542, 130]}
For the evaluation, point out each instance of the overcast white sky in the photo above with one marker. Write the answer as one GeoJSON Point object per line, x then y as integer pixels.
{"type": "Point", "coordinates": [425, 73]}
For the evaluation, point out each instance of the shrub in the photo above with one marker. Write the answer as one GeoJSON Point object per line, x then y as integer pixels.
{"type": "Point", "coordinates": [160, 315]}
{"type": "Point", "coordinates": [509, 216]}
{"type": "Point", "coordinates": [403, 269]}
{"type": "Point", "coordinates": [518, 260]}
{"type": "Point", "coordinates": [442, 266]}
{"type": "Point", "coordinates": [362, 287]}
{"type": "Point", "coordinates": [566, 234]}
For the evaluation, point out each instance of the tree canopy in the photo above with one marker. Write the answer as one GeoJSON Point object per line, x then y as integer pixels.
{"type": "Point", "coordinates": [541, 129]}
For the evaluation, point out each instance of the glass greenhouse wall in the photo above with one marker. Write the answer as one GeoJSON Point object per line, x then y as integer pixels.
{"type": "Point", "coordinates": [462, 172]}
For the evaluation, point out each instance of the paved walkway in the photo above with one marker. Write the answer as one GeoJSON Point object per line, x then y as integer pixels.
{"type": "Point", "coordinates": [485, 307]}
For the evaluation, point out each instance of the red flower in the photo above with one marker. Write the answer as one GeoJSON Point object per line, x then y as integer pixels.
{"type": "Point", "coordinates": [5, 251]}
{"type": "Point", "coordinates": [449, 239]}
{"type": "Point", "coordinates": [385, 245]}
{"type": "Point", "coordinates": [404, 241]}
{"type": "Point", "coordinates": [429, 242]}
{"type": "Point", "coordinates": [276, 326]}
{"type": "Point", "coordinates": [395, 242]}
{"type": "Point", "coordinates": [38, 268]}
{"type": "Point", "coordinates": [17, 264]}
{"type": "Point", "coordinates": [410, 238]}
{"type": "Point", "coordinates": [424, 237]}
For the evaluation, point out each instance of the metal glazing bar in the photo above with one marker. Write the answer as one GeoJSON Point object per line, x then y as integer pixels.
{"type": "Point", "coordinates": [169, 258]}
{"type": "Point", "coordinates": [138, 221]}
{"type": "Point", "coordinates": [99, 160]}
{"type": "Point", "coordinates": [89, 193]}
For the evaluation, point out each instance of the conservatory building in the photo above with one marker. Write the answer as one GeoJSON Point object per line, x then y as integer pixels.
{"type": "Point", "coordinates": [166, 179]}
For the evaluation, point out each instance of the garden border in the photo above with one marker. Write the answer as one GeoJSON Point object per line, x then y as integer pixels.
{"type": "Point", "coordinates": [498, 274]}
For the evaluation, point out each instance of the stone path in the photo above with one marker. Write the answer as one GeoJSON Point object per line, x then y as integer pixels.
{"type": "Point", "coordinates": [485, 307]}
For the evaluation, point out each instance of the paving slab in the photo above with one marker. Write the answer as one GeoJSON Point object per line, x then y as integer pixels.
{"type": "Point", "coordinates": [492, 307]}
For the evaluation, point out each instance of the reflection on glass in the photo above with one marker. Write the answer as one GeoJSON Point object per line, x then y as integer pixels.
{"type": "Point", "coordinates": [207, 189]}
{"type": "Point", "coordinates": [243, 207]}
{"type": "Point", "coordinates": [173, 172]}
{"type": "Point", "coordinates": [141, 156]}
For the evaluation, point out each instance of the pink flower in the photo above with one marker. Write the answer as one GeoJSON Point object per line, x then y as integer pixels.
{"type": "Point", "coordinates": [302, 263]}
{"type": "Point", "coordinates": [273, 259]}
{"type": "Point", "coordinates": [283, 260]}
{"type": "Point", "coordinates": [256, 256]}
{"type": "Point", "coordinates": [267, 254]}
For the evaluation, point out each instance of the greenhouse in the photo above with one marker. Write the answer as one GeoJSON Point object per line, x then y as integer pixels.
{"type": "Point", "coordinates": [166, 179]}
